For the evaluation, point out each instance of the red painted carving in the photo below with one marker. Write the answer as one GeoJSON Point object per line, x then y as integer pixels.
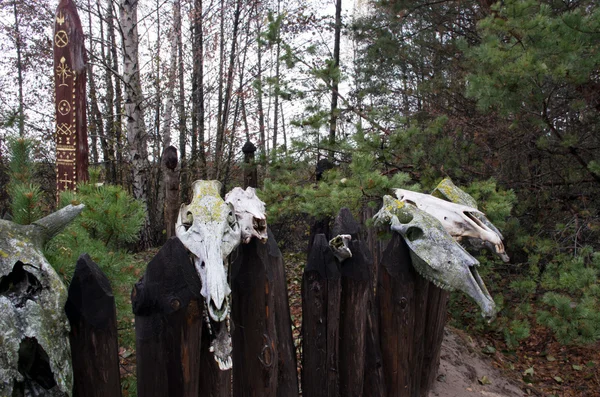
{"type": "Point", "coordinates": [70, 98]}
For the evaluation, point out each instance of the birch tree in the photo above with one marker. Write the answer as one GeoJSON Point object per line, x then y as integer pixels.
{"type": "Point", "coordinates": [134, 110]}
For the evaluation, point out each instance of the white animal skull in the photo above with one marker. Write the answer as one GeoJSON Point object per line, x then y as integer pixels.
{"type": "Point", "coordinates": [209, 229]}
{"type": "Point", "coordinates": [447, 190]}
{"type": "Point", "coordinates": [250, 213]}
{"type": "Point", "coordinates": [458, 220]}
{"type": "Point", "coordinates": [434, 253]}
{"type": "Point", "coordinates": [340, 246]}
{"type": "Point", "coordinates": [35, 356]}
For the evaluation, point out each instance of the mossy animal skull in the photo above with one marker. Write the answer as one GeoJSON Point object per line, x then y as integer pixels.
{"type": "Point", "coordinates": [434, 253]}
{"type": "Point", "coordinates": [35, 355]}
{"type": "Point", "coordinates": [250, 213]}
{"type": "Point", "coordinates": [209, 229]}
{"type": "Point", "coordinates": [459, 220]}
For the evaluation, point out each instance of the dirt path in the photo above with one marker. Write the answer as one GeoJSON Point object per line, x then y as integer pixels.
{"type": "Point", "coordinates": [463, 368]}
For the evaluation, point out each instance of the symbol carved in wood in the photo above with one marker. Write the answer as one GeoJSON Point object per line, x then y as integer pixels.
{"type": "Point", "coordinates": [71, 125]}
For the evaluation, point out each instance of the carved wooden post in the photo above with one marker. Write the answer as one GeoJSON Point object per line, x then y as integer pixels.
{"type": "Point", "coordinates": [70, 98]}
{"type": "Point", "coordinates": [411, 323]}
{"type": "Point", "coordinates": [171, 178]}
{"type": "Point", "coordinates": [250, 171]}
{"type": "Point", "coordinates": [321, 287]}
{"type": "Point", "coordinates": [94, 341]}
{"type": "Point", "coordinates": [168, 325]}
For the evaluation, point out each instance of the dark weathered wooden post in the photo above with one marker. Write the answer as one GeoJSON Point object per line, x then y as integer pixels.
{"type": "Point", "coordinates": [213, 381]}
{"type": "Point", "coordinates": [255, 356]}
{"type": "Point", "coordinates": [321, 288]}
{"type": "Point", "coordinates": [264, 359]}
{"type": "Point", "coordinates": [287, 372]}
{"type": "Point", "coordinates": [435, 320]}
{"type": "Point", "coordinates": [356, 288]}
{"type": "Point", "coordinates": [94, 341]}
{"type": "Point", "coordinates": [411, 323]}
{"type": "Point", "coordinates": [70, 98]}
{"type": "Point", "coordinates": [250, 170]}
{"type": "Point", "coordinates": [168, 324]}
{"type": "Point", "coordinates": [171, 179]}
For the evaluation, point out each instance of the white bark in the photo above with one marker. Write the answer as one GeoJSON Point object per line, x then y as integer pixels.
{"type": "Point", "coordinates": [134, 111]}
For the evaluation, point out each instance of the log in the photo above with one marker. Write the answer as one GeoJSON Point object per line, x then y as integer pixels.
{"type": "Point", "coordinates": [321, 289]}
{"type": "Point", "coordinates": [356, 282]}
{"type": "Point", "coordinates": [92, 314]}
{"type": "Point", "coordinates": [255, 343]}
{"type": "Point", "coordinates": [168, 317]}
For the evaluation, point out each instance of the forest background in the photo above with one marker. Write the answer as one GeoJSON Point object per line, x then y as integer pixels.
{"type": "Point", "coordinates": [504, 98]}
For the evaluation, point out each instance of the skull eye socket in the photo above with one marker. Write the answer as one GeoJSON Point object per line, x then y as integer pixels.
{"type": "Point", "coordinates": [202, 265]}
{"type": "Point", "coordinates": [187, 220]}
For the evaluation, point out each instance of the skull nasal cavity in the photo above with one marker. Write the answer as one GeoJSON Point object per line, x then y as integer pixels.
{"type": "Point", "coordinates": [414, 233]}
{"type": "Point", "coordinates": [202, 265]}
{"type": "Point", "coordinates": [34, 363]}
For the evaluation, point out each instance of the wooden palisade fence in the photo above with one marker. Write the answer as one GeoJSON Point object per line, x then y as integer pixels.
{"type": "Point", "coordinates": [360, 336]}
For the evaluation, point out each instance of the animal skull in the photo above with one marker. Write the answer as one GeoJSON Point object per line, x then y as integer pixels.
{"type": "Point", "coordinates": [209, 229]}
{"type": "Point", "coordinates": [339, 246]}
{"type": "Point", "coordinates": [448, 191]}
{"type": "Point", "coordinates": [250, 213]}
{"type": "Point", "coordinates": [458, 220]}
{"type": "Point", "coordinates": [35, 354]}
{"type": "Point", "coordinates": [434, 253]}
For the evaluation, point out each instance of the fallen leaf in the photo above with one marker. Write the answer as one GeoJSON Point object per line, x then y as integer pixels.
{"type": "Point", "coordinates": [489, 349]}
{"type": "Point", "coordinates": [558, 379]}
{"type": "Point", "coordinates": [550, 358]}
{"type": "Point", "coordinates": [484, 380]}
{"type": "Point", "coordinates": [577, 367]}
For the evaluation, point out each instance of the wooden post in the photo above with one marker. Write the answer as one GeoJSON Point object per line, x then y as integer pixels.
{"type": "Point", "coordinates": [287, 372]}
{"type": "Point", "coordinates": [70, 98]}
{"type": "Point", "coordinates": [250, 171]}
{"type": "Point", "coordinates": [264, 361]}
{"type": "Point", "coordinates": [171, 179]}
{"type": "Point", "coordinates": [411, 323]}
{"type": "Point", "coordinates": [213, 381]}
{"type": "Point", "coordinates": [92, 314]}
{"type": "Point", "coordinates": [255, 355]}
{"type": "Point", "coordinates": [321, 288]}
{"type": "Point", "coordinates": [356, 283]}
{"type": "Point", "coordinates": [168, 318]}
{"type": "Point", "coordinates": [436, 314]}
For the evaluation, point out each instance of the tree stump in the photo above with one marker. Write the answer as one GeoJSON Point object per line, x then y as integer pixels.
{"type": "Point", "coordinates": [94, 341]}
{"type": "Point", "coordinates": [168, 317]}
{"type": "Point", "coordinates": [321, 289]}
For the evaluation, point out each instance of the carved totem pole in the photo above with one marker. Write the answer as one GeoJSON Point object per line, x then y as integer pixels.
{"type": "Point", "coordinates": [70, 96]}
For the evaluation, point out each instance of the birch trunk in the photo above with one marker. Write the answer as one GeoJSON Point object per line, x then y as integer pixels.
{"type": "Point", "coordinates": [134, 111]}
